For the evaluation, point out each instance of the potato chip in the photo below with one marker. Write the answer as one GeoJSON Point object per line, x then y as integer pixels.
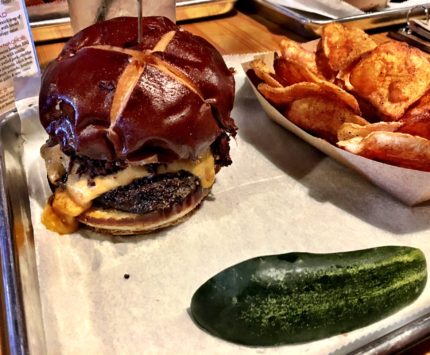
{"type": "Point", "coordinates": [293, 51]}
{"type": "Point", "coordinates": [282, 75]}
{"type": "Point", "coordinates": [416, 120]}
{"type": "Point", "coordinates": [264, 73]}
{"type": "Point", "coordinates": [286, 95]}
{"type": "Point", "coordinates": [301, 73]}
{"type": "Point", "coordinates": [321, 116]}
{"type": "Point", "coordinates": [283, 96]}
{"type": "Point", "coordinates": [368, 111]}
{"type": "Point", "coordinates": [288, 72]}
{"type": "Point", "coordinates": [349, 82]}
{"type": "Point", "coordinates": [293, 72]}
{"type": "Point", "coordinates": [351, 130]}
{"type": "Point", "coordinates": [420, 109]}
{"type": "Point", "coordinates": [323, 64]}
{"type": "Point", "coordinates": [393, 148]}
{"type": "Point", "coordinates": [342, 46]}
{"type": "Point", "coordinates": [392, 77]}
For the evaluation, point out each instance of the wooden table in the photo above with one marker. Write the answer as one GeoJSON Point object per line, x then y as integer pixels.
{"type": "Point", "coordinates": [234, 33]}
{"type": "Point", "coordinates": [231, 34]}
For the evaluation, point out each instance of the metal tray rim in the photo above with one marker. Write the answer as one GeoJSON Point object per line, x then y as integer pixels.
{"type": "Point", "coordinates": [312, 26]}
{"type": "Point", "coordinates": [19, 285]}
{"type": "Point", "coordinates": [12, 306]}
{"type": "Point", "coordinates": [414, 331]}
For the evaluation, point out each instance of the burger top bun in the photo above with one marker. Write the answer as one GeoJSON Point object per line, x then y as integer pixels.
{"type": "Point", "coordinates": [107, 97]}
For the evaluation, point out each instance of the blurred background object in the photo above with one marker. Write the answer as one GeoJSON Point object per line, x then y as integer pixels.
{"type": "Point", "coordinates": [368, 4]}
{"type": "Point", "coordinates": [308, 23]}
{"type": "Point", "coordinates": [42, 12]}
{"type": "Point", "coordinates": [46, 9]}
{"type": "Point", "coordinates": [84, 13]}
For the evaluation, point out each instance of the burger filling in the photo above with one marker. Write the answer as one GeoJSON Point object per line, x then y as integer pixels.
{"type": "Point", "coordinates": [80, 184]}
{"type": "Point", "coordinates": [151, 193]}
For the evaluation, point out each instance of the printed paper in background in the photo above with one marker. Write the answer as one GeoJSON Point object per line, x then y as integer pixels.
{"type": "Point", "coordinates": [17, 52]}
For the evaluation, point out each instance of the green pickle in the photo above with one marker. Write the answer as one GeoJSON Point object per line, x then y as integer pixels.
{"type": "Point", "coordinates": [301, 297]}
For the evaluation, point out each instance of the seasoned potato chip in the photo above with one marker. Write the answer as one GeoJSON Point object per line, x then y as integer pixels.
{"type": "Point", "coordinates": [321, 116]}
{"type": "Point", "coordinates": [293, 51]}
{"type": "Point", "coordinates": [301, 73]}
{"type": "Point", "coordinates": [349, 82]}
{"type": "Point", "coordinates": [264, 73]}
{"type": "Point", "coordinates": [342, 46]}
{"type": "Point", "coordinates": [286, 95]}
{"type": "Point", "coordinates": [323, 65]}
{"type": "Point", "coordinates": [368, 111]}
{"type": "Point", "coordinates": [420, 109]}
{"type": "Point", "coordinates": [392, 77]}
{"type": "Point", "coordinates": [284, 77]}
{"type": "Point", "coordinates": [351, 130]}
{"type": "Point", "coordinates": [283, 96]}
{"type": "Point", "coordinates": [294, 72]}
{"type": "Point", "coordinates": [289, 72]}
{"type": "Point", "coordinates": [416, 120]}
{"type": "Point", "coordinates": [394, 148]}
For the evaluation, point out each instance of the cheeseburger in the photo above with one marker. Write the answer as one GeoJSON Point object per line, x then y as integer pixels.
{"type": "Point", "coordinates": [137, 131]}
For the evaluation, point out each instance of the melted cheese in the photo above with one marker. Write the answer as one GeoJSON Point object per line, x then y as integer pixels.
{"type": "Point", "coordinates": [204, 169]}
{"type": "Point", "coordinates": [58, 222]}
{"type": "Point", "coordinates": [79, 192]}
{"type": "Point", "coordinates": [82, 192]}
{"type": "Point", "coordinates": [66, 203]}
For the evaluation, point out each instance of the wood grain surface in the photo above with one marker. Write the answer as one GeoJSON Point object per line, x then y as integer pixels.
{"type": "Point", "coordinates": [232, 34]}
{"type": "Point", "coordinates": [235, 33]}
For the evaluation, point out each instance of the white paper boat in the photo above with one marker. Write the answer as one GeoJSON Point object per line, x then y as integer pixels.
{"type": "Point", "coordinates": [409, 186]}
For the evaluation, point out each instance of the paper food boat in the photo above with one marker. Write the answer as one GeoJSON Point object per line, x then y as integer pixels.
{"type": "Point", "coordinates": [409, 186]}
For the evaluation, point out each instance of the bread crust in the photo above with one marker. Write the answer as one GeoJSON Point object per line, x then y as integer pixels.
{"type": "Point", "coordinates": [106, 97]}
{"type": "Point", "coordinates": [115, 222]}
{"type": "Point", "coordinates": [109, 100]}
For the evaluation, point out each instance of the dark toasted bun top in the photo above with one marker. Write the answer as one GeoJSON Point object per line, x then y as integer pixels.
{"type": "Point", "coordinates": [107, 97]}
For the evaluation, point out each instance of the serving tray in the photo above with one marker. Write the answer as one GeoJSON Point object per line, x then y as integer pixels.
{"type": "Point", "coordinates": [310, 25]}
{"type": "Point", "coordinates": [20, 297]}
{"type": "Point", "coordinates": [262, 204]}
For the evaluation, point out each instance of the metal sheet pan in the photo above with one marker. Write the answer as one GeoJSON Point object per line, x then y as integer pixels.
{"type": "Point", "coordinates": [20, 297]}
{"type": "Point", "coordinates": [194, 9]}
{"type": "Point", "coordinates": [47, 11]}
{"type": "Point", "coordinates": [309, 25]}
{"type": "Point", "coordinates": [20, 285]}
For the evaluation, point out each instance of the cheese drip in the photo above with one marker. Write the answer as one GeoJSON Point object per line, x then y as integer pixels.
{"type": "Point", "coordinates": [77, 196]}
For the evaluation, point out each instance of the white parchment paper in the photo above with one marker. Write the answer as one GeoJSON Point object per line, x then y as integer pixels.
{"type": "Point", "coordinates": [280, 195]}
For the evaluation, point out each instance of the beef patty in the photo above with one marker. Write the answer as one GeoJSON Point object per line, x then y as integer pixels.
{"type": "Point", "coordinates": [152, 193]}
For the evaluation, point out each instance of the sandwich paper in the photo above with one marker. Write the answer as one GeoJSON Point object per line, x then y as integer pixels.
{"type": "Point", "coordinates": [280, 195]}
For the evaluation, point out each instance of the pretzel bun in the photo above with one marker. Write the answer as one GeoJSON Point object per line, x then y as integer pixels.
{"type": "Point", "coordinates": [111, 105]}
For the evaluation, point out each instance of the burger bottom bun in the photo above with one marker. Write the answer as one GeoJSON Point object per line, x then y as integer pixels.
{"type": "Point", "coordinates": [115, 222]}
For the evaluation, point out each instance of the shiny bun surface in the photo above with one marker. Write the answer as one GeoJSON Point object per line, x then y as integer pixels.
{"type": "Point", "coordinates": [106, 97]}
